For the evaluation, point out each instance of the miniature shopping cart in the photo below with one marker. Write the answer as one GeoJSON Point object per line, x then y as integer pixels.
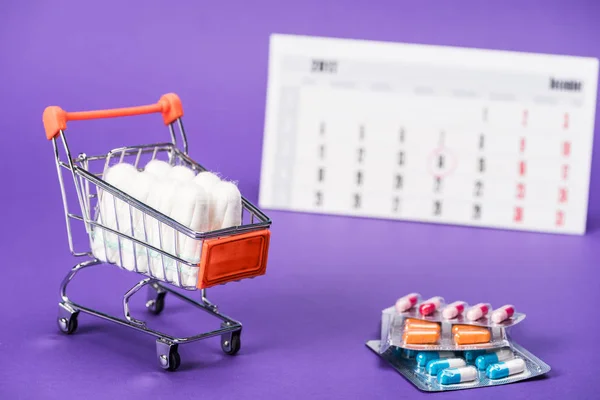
{"type": "Point", "coordinates": [226, 255]}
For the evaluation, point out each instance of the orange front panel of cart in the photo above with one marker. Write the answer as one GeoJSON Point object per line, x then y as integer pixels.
{"type": "Point", "coordinates": [233, 258]}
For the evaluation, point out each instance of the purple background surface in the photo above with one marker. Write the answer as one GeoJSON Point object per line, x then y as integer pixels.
{"type": "Point", "coordinates": [307, 320]}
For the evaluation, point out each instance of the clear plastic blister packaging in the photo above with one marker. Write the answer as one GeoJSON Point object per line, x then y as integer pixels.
{"type": "Point", "coordinates": [436, 326]}
{"type": "Point", "coordinates": [439, 346]}
{"type": "Point", "coordinates": [455, 372]}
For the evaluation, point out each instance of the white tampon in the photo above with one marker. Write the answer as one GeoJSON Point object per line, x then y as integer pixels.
{"type": "Point", "coordinates": [190, 208]}
{"type": "Point", "coordinates": [162, 236]}
{"type": "Point", "coordinates": [233, 212]}
{"type": "Point", "coordinates": [158, 168]}
{"type": "Point", "coordinates": [189, 276]}
{"type": "Point", "coordinates": [125, 223]}
{"type": "Point", "coordinates": [208, 181]}
{"type": "Point", "coordinates": [228, 206]}
{"type": "Point", "coordinates": [151, 225]}
{"type": "Point", "coordinates": [98, 241]}
{"type": "Point", "coordinates": [115, 212]}
{"type": "Point", "coordinates": [167, 240]}
{"type": "Point", "coordinates": [140, 190]}
{"type": "Point", "coordinates": [181, 173]}
{"type": "Point", "coordinates": [119, 175]}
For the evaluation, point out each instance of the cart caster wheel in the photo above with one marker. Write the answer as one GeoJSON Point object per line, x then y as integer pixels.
{"type": "Point", "coordinates": [67, 325]}
{"type": "Point", "coordinates": [168, 356]}
{"type": "Point", "coordinates": [155, 306]}
{"type": "Point", "coordinates": [231, 343]}
{"type": "Point", "coordinates": [174, 361]}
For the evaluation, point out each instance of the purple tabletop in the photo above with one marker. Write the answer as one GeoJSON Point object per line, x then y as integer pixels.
{"type": "Point", "coordinates": [307, 320]}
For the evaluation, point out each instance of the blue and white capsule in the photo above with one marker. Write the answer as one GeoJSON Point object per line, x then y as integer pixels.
{"type": "Point", "coordinates": [471, 355]}
{"type": "Point", "coordinates": [485, 360]}
{"type": "Point", "coordinates": [435, 366]}
{"type": "Point", "coordinates": [423, 357]}
{"type": "Point", "coordinates": [505, 369]}
{"type": "Point", "coordinates": [453, 376]}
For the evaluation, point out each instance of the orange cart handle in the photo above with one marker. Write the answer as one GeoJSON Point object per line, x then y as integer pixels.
{"type": "Point", "coordinates": [55, 118]}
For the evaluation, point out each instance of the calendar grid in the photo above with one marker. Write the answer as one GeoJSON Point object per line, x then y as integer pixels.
{"type": "Point", "coordinates": [429, 141]}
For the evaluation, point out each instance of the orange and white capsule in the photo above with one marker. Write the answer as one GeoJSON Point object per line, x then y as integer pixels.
{"type": "Point", "coordinates": [407, 302]}
{"type": "Point", "coordinates": [430, 306]}
{"type": "Point", "coordinates": [503, 313]}
{"type": "Point", "coordinates": [478, 311]}
{"type": "Point", "coordinates": [453, 310]}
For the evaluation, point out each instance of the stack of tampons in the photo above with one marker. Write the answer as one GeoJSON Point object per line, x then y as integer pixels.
{"type": "Point", "coordinates": [202, 202]}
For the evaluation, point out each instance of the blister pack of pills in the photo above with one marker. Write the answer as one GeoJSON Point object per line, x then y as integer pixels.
{"type": "Point", "coordinates": [433, 371]}
{"type": "Point", "coordinates": [439, 346]}
{"type": "Point", "coordinates": [436, 326]}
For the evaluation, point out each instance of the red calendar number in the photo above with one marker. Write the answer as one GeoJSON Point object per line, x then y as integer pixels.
{"type": "Point", "coordinates": [566, 148]}
{"type": "Point", "coordinates": [560, 218]}
{"type": "Point", "coordinates": [566, 121]}
{"type": "Point", "coordinates": [522, 145]}
{"type": "Point", "coordinates": [518, 214]}
{"type": "Point", "coordinates": [565, 171]}
{"type": "Point", "coordinates": [525, 117]}
{"type": "Point", "coordinates": [522, 168]}
{"type": "Point", "coordinates": [521, 191]}
{"type": "Point", "coordinates": [562, 195]}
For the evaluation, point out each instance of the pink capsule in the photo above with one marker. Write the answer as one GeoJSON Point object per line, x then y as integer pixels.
{"type": "Point", "coordinates": [428, 307]}
{"type": "Point", "coordinates": [503, 313]}
{"type": "Point", "coordinates": [407, 302]}
{"type": "Point", "coordinates": [453, 310]}
{"type": "Point", "coordinates": [478, 311]}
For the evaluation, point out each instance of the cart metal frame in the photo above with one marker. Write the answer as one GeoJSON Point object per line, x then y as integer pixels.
{"type": "Point", "coordinates": [90, 187]}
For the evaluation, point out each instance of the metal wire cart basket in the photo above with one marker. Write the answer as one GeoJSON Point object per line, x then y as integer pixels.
{"type": "Point", "coordinates": [226, 255]}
